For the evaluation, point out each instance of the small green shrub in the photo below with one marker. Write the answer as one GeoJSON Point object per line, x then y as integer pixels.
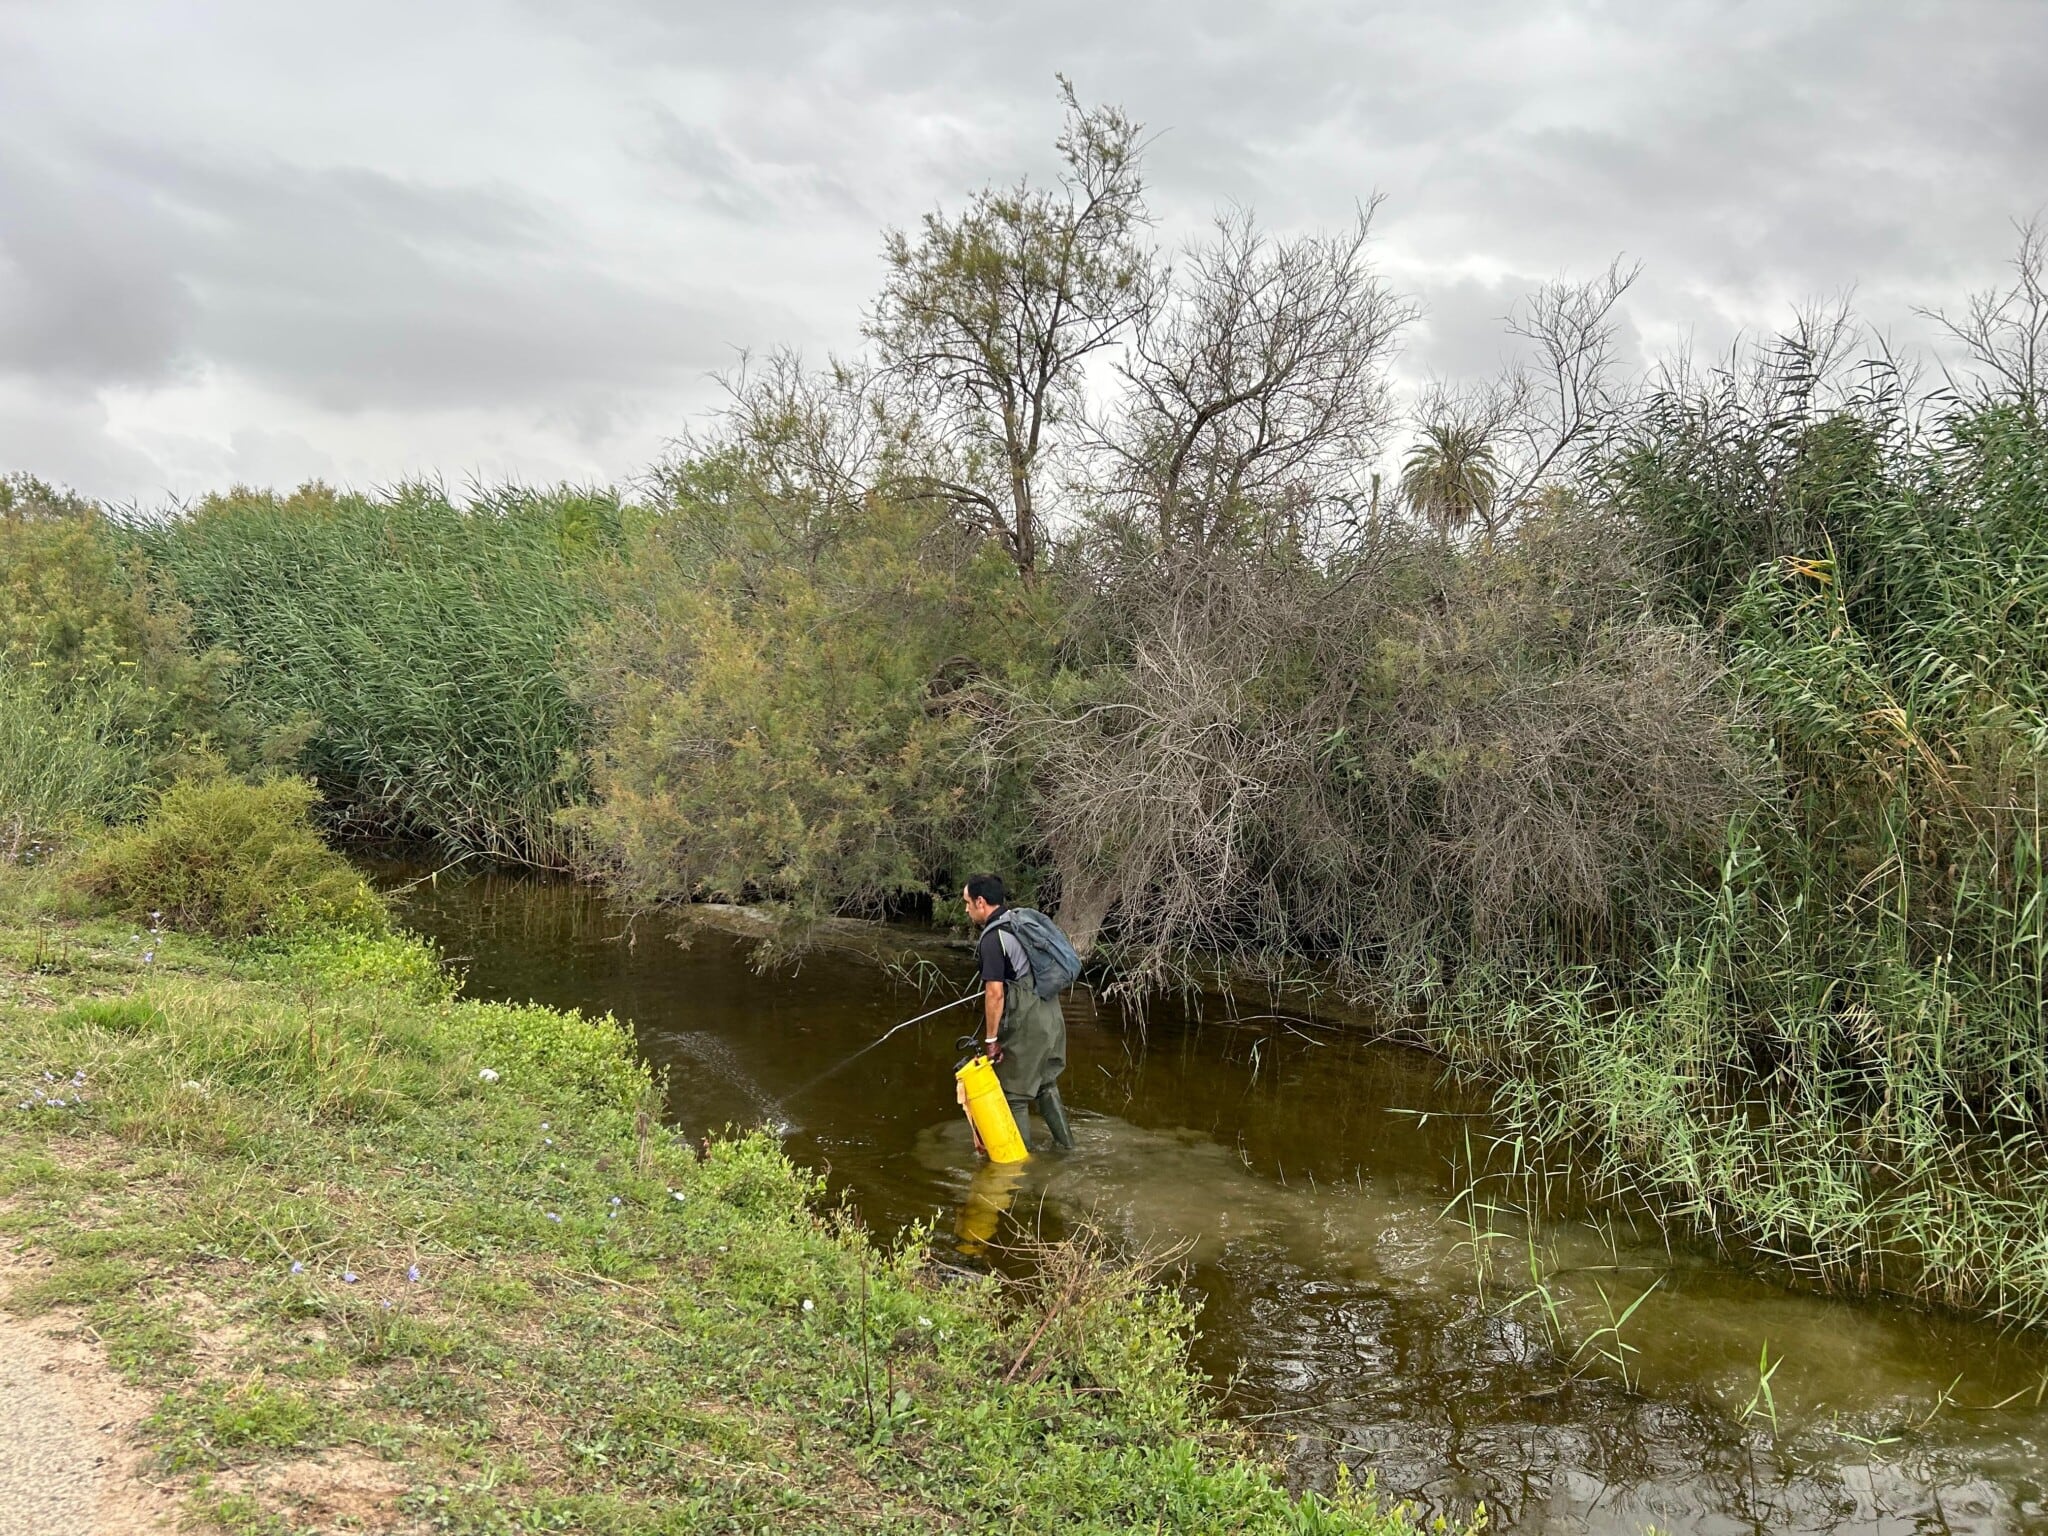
{"type": "Point", "coordinates": [232, 859]}
{"type": "Point", "coordinates": [218, 1422]}
{"type": "Point", "coordinates": [351, 960]}
{"type": "Point", "coordinates": [115, 1015]}
{"type": "Point", "coordinates": [545, 1051]}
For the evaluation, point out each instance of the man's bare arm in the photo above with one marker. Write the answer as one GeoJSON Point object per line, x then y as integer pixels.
{"type": "Point", "coordinates": [991, 1012]}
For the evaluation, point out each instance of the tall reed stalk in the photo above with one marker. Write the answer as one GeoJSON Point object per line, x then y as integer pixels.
{"type": "Point", "coordinates": [402, 648]}
{"type": "Point", "coordinates": [1836, 1056]}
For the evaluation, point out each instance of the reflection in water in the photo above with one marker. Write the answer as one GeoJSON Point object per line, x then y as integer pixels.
{"type": "Point", "coordinates": [991, 1192]}
{"type": "Point", "coordinates": [1307, 1179]}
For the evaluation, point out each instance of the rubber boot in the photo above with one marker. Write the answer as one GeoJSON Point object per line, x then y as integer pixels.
{"type": "Point", "coordinates": [1054, 1113]}
{"type": "Point", "coordinates": [1020, 1111]}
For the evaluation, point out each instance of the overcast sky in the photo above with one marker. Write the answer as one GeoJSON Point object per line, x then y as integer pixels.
{"type": "Point", "coordinates": [261, 241]}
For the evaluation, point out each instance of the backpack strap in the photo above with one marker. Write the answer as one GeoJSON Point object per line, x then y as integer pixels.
{"type": "Point", "coordinates": [1001, 924]}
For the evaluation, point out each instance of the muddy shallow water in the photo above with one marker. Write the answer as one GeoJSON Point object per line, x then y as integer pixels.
{"type": "Point", "coordinates": [1313, 1182]}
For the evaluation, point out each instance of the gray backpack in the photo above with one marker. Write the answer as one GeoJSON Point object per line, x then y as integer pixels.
{"type": "Point", "coordinates": [1054, 963]}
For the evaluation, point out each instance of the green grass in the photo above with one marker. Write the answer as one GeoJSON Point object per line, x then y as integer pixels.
{"type": "Point", "coordinates": [283, 1189]}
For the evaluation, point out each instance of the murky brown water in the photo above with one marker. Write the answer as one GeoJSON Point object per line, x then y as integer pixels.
{"type": "Point", "coordinates": [1342, 1313]}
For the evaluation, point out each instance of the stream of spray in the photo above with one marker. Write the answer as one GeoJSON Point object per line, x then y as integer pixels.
{"type": "Point", "coordinates": [893, 1030]}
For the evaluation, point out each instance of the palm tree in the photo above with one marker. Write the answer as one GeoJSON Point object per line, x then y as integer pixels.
{"type": "Point", "coordinates": [1451, 477]}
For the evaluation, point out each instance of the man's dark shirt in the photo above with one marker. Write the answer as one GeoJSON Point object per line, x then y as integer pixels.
{"type": "Point", "coordinates": [1002, 957]}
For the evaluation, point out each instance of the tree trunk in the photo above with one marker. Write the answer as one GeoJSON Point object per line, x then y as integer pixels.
{"type": "Point", "coordinates": [1084, 906]}
{"type": "Point", "coordinates": [1026, 521]}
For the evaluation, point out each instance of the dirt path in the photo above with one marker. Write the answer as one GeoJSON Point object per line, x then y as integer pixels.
{"type": "Point", "coordinates": [68, 1462]}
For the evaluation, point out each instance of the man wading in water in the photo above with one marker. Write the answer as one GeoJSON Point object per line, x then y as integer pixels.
{"type": "Point", "coordinates": [1024, 1034]}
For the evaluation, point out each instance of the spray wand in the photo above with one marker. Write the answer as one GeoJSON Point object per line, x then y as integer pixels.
{"type": "Point", "coordinates": [972, 997]}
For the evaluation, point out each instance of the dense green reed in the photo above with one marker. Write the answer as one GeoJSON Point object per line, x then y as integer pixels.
{"type": "Point", "coordinates": [401, 648]}
{"type": "Point", "coordinates": [1837, 1054]}
{"type": "Point", "coordinates": [66, 763]}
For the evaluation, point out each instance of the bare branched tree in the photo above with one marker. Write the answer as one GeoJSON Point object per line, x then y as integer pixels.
{"type": "Point", "coordinates": [1362, 762]}
{"type": "Point", "coordinates": [1539, 421]}
{"type": "Point", "coordinates": [2005, 330]}
{"type": "Point", "coordinates": [989, 316]}
{"type": "Point", "coordinates": [1569, 396]}
{"type": "Point", "coordinates": [1257, 388]}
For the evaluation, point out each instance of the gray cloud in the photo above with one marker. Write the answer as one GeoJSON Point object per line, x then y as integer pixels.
{"type": "Point", "coordinates": [79, 302]}
{"type": "Point", "coordinates": [345, 286]}
{"type": "Point", "coordinates": [510, 234]}
{"type": "Point", "coordinates": [62, 437]}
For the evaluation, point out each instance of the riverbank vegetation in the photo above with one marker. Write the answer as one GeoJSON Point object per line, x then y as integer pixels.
{"type": "Point", "coordinates": [396, 1260]}
{"type": "Point", "coordinates": [1666, 743]}
{"type": "Point", "coordinates": [401, 648]}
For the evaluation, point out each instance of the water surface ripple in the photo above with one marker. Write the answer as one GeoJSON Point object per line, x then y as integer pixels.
{"type": "Point", "coordinates": [1307, 1179]}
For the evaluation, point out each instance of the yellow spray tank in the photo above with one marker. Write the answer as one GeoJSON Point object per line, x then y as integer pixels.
{"type": "Point", "coordinates": [988, 1111]}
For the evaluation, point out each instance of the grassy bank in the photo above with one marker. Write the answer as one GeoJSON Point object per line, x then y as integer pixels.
{"type": "Point", "coordinates": [333, 1214]}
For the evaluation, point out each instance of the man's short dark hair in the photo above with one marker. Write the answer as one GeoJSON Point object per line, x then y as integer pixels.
{"type": "Point", "coordinates": [988, 888]}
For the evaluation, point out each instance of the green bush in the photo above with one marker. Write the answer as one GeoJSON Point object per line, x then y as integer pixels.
{"type": "Point", "coordinates": [787, 696]}
{"type": "Point", "coordinates": [70, 605]}
{"type": "Point", "coordinates": [232, 859]}
{"type": "Point", "coordinates": [100, 695]}
{"type": "Point", "coordinates": [350, 958]}
{"type": "Point", "coordinates": [549, 1052]}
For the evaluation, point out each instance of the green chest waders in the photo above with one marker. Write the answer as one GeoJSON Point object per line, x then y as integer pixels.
{"type": "Point", "coordinates": [1034, 1041]}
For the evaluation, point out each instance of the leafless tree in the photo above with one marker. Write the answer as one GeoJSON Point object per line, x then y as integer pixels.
{"type": "Point", "coordinates": [1257, 387]}
{"type": "Point", "coordinates": [1553, 407]}
{"type": "Point", "coordinates": [2005, 330]}
{"type": "Point", "coordinates": [1361, 759]}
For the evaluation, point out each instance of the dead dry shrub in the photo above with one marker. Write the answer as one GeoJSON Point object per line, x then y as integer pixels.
{"type": "Point", "coordinates": [1381, 762]}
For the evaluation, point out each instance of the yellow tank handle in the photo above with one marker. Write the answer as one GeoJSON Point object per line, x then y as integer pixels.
{"type": "Point", "coordinates": [989, 1111]}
